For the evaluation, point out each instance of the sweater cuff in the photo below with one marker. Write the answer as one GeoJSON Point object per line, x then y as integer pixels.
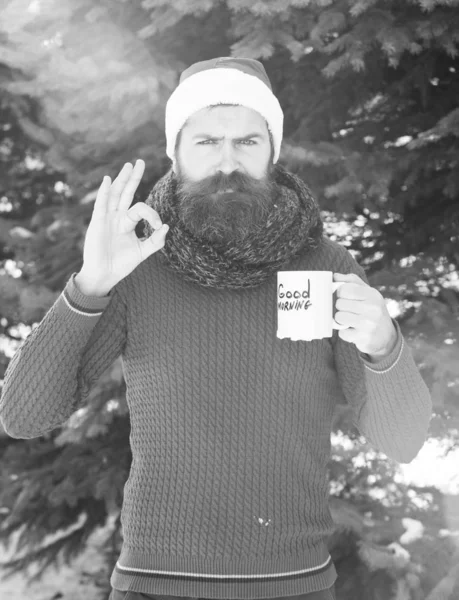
{"type": "Point", "coordinates": [387, 362]}
{"type": "Point", "coordinates": [78, 309]}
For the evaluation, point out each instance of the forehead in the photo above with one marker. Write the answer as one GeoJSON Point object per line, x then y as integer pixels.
{"type": "Point", "coordinates": [221, 118]}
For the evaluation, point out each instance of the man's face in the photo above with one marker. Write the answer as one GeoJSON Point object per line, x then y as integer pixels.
{"type": "Point", "coordinates": [224, 172]}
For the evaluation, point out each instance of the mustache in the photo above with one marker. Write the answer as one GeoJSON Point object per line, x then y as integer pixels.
{"type": "Point", "coordinates": [237, 181]}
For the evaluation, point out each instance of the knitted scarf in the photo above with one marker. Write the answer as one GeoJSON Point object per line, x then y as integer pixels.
{"type": "Point", "coordinates": [293, 226]}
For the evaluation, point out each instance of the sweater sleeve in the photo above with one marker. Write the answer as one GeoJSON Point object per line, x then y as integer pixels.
{"type": "Point", "coordinates": [391, 403]}
{"type": "Point", "coordinates": [50, 375]}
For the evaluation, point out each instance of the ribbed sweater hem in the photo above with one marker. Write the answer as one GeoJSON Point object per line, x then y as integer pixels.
{"type": "Point", "coordinates": [217, 578]}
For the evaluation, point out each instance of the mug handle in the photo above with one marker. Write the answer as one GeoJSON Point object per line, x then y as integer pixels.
{"type": "Point", "coordinates": [335, 325]}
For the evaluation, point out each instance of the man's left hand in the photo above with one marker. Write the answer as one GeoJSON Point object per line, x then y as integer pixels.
{"type": "Point", "coordinates": [363, 308]}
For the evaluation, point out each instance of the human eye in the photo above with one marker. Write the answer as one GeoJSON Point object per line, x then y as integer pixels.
{"type": "Point", "coordinates": [251, 141]}
{"type": "Point", "coordinates": [205, 141]}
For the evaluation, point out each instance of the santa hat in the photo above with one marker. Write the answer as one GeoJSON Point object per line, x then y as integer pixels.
{"type": "Point", "coordinates": [223, 80]}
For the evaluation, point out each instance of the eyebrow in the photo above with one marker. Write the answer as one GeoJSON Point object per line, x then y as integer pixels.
{"type": "Point", "coordinates": [246, 137]}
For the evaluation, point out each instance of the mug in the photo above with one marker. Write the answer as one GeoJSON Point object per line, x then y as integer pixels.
{"type": "Point", "coordinates": [305, 305]}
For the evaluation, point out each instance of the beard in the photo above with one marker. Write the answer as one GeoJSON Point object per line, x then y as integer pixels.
{"type": "Point", "coordinates": [209, 212]}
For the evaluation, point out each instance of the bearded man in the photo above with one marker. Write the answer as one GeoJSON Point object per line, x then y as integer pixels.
{"type": "Point", "coordinates": [227, 495]}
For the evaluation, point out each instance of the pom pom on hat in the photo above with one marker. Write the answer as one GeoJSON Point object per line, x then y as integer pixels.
{"type": "Point", "coordinates": [223, 80]}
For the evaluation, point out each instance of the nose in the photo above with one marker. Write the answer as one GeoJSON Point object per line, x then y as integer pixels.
{"type": "Point", "coordinates": [227, 163]}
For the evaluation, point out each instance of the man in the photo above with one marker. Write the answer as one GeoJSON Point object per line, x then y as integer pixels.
{"type": "Point", "coordinates": [227, 496]}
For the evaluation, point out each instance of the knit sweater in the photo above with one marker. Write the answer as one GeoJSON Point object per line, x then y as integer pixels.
{"type": "Point", "coordinates": [227, 495]}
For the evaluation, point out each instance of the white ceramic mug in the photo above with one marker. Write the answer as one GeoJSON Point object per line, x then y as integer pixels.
{"type": "Point", "coordinates": [305, 305]}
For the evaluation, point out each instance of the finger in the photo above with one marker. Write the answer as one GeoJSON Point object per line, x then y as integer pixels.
{"type": "Point", "coordinates": [143, 211]}
{"type": "Point", "coordinates": [132, 184]}
{"type": "Point", "coordinates": [351, 277]}
{"type": "Point", "coordinates": [347, 319]}
{"type": "Point", "coordinates": [118, 186]}
{"type": "Point", "coordinates": [354, 291]}
{"type": "Point", "coordinates": [347, 335]}
{"type": "Point", "coordinates": [352, 306]}
{"type": "Point", "coordinates": [336, 325]}
{"type": "Point", "coordinates": [100, 205]}
{"type": "Point", "coordinates": [155, 242]}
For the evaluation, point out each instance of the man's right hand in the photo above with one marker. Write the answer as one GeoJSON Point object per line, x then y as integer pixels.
{"type": "Point", "coordinates": [111, 248]}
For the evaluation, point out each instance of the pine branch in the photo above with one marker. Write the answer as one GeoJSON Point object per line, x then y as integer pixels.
{"type": "Point", "coordinates": [67, 547]}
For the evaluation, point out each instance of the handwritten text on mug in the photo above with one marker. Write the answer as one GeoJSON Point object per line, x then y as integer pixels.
{"type": "Point", "coordinates": [296, 300]}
